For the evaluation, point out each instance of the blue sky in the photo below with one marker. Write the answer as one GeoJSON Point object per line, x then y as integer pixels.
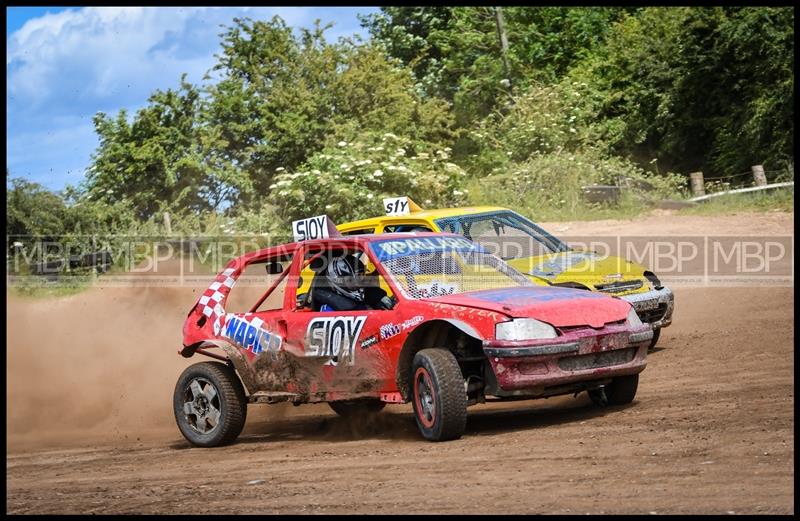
{"type": "Point", "coordinates": [63, 65]}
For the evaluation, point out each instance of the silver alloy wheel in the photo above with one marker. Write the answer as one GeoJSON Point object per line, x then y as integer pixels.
{"type": "Point", "coordinates": [201, 405]}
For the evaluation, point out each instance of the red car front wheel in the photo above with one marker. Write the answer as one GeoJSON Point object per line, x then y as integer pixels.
{"type": "Point", "coordinates": [438, 395]}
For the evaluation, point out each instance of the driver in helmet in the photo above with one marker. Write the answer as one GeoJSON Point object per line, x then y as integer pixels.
{"type": "Point", "coordinates": [348, 288]}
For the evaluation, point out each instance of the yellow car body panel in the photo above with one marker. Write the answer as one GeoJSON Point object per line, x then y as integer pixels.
{"type": "Point", "coordinates": [583, 268]}
{"type": "Point", "coordinates": [425, 217]}
{"type": "Point", "coordinates": [611, 275]}
{"type": "Point", "coordinates": [586, 269]}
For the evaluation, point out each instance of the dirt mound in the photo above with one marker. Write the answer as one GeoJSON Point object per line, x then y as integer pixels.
{"type": "Point", "coordinates": [668, 222]}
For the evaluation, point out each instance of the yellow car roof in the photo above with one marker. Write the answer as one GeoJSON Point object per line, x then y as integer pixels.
{"type": "Point", "coordinates": [426, 215]}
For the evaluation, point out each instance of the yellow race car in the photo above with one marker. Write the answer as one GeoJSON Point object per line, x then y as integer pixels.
{"type": "Point", "coordinates": [530, 249]}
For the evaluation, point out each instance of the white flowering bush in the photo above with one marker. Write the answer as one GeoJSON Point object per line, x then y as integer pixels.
{"type": "Point", "coordinates": [348, 179]}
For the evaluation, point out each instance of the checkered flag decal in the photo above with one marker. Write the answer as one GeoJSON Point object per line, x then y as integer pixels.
{"type": "Point", "coordinates": [211, 299]}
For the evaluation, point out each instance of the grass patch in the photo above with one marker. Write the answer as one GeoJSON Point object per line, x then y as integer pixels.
{"type": "Point", "coordinates": [32, 286]}
{"type": "Point", "coordinates": [779, 199]}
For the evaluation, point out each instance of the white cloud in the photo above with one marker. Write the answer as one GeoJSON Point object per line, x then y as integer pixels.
{"type": "Point", "coordinates": [99, 53]}
{"type": "Point", "coordinates": [74, 63]}
{"type": "Point", "coordinates": [95, 54]}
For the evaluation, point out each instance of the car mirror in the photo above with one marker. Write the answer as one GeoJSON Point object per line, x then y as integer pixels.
{"type": "Point", "coordinates": [274, 268]}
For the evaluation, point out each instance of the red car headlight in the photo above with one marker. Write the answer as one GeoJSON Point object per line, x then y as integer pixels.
{"type": "Point", "coordinates": [524, 329]}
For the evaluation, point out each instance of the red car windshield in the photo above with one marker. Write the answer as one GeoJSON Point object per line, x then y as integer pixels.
{"type": "Point", "coordinates": [427, 267]}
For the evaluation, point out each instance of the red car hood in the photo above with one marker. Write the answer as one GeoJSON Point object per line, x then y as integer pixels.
{"type": "Point", "coordinates": [560, 307]}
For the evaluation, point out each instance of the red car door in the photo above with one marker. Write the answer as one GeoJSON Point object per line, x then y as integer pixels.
{"type": "Point", "coordinates": [338, 351]}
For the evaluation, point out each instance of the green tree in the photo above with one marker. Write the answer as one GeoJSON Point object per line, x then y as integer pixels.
{"type": "Point", "coordinates": [455, 52]}
{"type": "Point", "coordinates": [33, 210]}
{"type": "Point", "coordinates": [281, 98]}
{"type": "Point", "coordinates": [757, 125]}
{"type": "Point", "coordinates": [156, 161]}
{"type": "Point", "coordinates": [708, 88]}
{"type": "Point", "coordinates": [273, 104]}
{"type": "Point", "coordinates": [375, 92]}
{"type": "Point", "coordinates": [407, 34]}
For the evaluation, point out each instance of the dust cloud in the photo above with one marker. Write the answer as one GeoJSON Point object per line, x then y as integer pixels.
{"type": "Point", "coordinates": [102, 363]}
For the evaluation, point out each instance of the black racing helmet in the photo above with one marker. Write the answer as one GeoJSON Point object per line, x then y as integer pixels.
{"type": "Point", "coordinates": [345, 276]}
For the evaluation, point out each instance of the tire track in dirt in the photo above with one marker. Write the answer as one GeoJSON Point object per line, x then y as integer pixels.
{"type": "Point", "coordinates": [711, 431]}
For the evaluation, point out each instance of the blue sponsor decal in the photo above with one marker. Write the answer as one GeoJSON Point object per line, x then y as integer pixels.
{"type": "Point", "coordinates": [390, 330]}
{"type": "Point", "coordinates": [394, 248]}
{"type": "Point", "coordinates": [532, 295]}
{"type": "Point", "coordinates": [240, 331]}
{"type": "Point", "coordinates": [230, 328]}
{"type": "Point", "coordinates": [251, 337]}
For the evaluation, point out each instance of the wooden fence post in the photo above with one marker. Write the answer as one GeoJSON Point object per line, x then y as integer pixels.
{"type": "Point", "coordinates": [697, 184]}
{"type": "Point", "coordinates": [167, 223]}
{"type": "Point", "coordinates": [758, 175]}
{"type": "Point", "coordinates": [501, 34]}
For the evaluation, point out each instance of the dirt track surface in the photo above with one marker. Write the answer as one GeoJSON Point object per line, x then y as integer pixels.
{"type": "Point", "coordinates": [90, 428]}
{"type": "Point", "coordinates": [669, 222]}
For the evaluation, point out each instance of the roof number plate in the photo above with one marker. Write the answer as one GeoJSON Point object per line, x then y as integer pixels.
{"type": "Point", "coordinates": [396, 206]}
{"type": "Point", "coordinates": [311, 228]}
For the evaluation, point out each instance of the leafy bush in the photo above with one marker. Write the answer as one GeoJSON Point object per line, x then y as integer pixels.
{"type": "Point", "coordinates": [31, 209]}
{"type": "Point", "coordinates": [549, 186]}
{"type": "Point", "coordinates": [543, 119]}
{"type": "Point", "coordinates": [348, 179]}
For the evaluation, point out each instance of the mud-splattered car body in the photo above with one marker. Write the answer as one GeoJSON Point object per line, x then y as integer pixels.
{"type": "Point", "coordinates": [277, 353]}
{"type": "Point", "coordinates": [486, 314]}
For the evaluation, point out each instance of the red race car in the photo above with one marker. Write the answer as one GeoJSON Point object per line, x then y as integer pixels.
{"type": "Point", "coordinates": [362, 321]}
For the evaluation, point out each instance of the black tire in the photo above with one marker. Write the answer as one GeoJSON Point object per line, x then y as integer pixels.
{"type": "Point", "coordinates": [620, 391]}
{"type": "Point", "coordinates": [356, 408]}
{"type": "Point", "coordinates": [437, 382]}
{"type": "Point", "coordinates": [209, 417]}
{"type": "Point", "coordinates": [656, 334]}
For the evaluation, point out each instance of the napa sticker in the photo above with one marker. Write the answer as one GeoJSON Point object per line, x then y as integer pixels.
{"type": "Point", "coordinates": [249, 335]}
{"type": "Point", "coordinates": [393, 248]}
{"type": "Point", "coordinates": [334, 337]}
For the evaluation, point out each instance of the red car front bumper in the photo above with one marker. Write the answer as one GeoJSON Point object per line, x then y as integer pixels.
{"type": "Point", "coordinates": [550, 366]}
